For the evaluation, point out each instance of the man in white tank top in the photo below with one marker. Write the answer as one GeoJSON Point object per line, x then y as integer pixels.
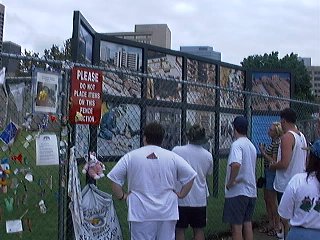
{"type": "Point", "coordinates": [291, 155]}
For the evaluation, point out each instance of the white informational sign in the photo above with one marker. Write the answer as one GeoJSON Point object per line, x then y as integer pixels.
{"type": "Point", "coordinates": [47, 150]}
{"type": "Point", "coordinates": [46, 87]}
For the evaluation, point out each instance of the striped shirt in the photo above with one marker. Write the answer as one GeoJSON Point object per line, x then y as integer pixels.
{"type": "Point", "coordinates": [272, 150]}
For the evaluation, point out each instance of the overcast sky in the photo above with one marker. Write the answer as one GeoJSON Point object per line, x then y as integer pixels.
{"type": "Point", "coordinates": [236, 28]}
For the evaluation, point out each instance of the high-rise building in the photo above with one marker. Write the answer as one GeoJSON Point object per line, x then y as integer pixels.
{"type": "Point", "coordinates": [306, 61]}
{"type": "Point", "coordinates": [314, 72]}
{"type": "Point", "coordinates": [154, 34]}
{"type": "Point", "coordinates": [2, 8]}
{"type": "Point", "coordinates": [127, 60]}
{"type": "Point", "coordinates": [202, 51]}
{"type": "Point", "coordinates": [11, 65]}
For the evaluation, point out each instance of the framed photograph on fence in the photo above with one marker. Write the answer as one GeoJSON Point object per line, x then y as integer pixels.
{"type": "Point", "coordinates": [169, 68]}
{"type": "Point", "coordinates": [271, 84]}
{"type": "Point", "coordinates": [119, 129]}
{"type": "Point", "coordinates": [45, 87]}
{"type": "Point", "coordinates": [170, 118]}
{"type": "Point", "coordinates": [232, 79]}
{"type": "Point", "coordinates": [201, 77]}
{"type": "Point", "coordinates": [124, 58]}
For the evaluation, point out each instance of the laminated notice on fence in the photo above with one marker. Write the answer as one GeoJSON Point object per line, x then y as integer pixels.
{"type": "Point", "coordinates": [100, 219]}
{"type": "Point", "coordinates": [47, 150]}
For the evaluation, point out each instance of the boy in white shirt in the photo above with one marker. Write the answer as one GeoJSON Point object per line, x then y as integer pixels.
{"type": "Point", "coordinates": [192, 208]}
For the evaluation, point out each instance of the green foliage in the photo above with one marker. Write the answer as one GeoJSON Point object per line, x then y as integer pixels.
{"type": "Point", "coordinates": [57, 53]}
{"type": "Point", "coordinates": [53, 53]}
{"type": "Point", "coordinates": [272, 62]}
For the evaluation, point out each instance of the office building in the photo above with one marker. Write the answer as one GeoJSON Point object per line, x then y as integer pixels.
{"type": "Point", "coordinates": [202, 51]}
{"type": "Point", "coordinates": [127, 60]}
{"type": "Point", "coordinates": [306, 61]}
{"type": "Point", "coordinates": [154, 34]}
{"type": "Point", "coordinates": [314, 72]}
{"type": "Point", "coordinates": [11, 65]}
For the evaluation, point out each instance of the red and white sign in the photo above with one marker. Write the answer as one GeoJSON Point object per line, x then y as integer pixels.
{"type": "Point", "coordinates": [86, 96]}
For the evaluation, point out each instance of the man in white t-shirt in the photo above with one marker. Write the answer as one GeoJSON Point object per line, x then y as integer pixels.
{"type": "Point", "coordinates": [192, 208]}
{"type": "Point", "coordinates": [152, 173]}
{"type": "Point", "coordinates": [240, 190]}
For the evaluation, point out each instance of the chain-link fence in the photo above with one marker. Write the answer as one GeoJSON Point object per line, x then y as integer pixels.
{"type": "Point", "coordinates": [130, 100]}
{"type": "Point", "coordinates": [32, 198]}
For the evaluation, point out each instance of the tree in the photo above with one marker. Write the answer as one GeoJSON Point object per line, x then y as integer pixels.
{"type": "Point", "coordinates": [53, 53]}
{"type": "Point", "coordinates": [271, 62]}
{"type": "Point", "coordinates": [57, 53]}
{"type": "Point", "coordinates": [301, 78]}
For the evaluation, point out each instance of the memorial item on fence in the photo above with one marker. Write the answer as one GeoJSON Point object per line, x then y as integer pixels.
{"type": "Point", "coordinates": [17, 91]}
{"type": "Point", "coordinates": [15, 226]}
{"type": "Point", "coordinates": [4, 174]}
{"type": "Point", "coordinates": [26, 144]}
{"type": "Point", "coordinates": [17, 158]}
{"type": "Point", "coordinates": [92, 210]}
{"type": "Point", "coordinates": [47, 150]}
{"type": "Point", "coordinates": [45, 86]}
{"type": "Point", "coordinates": [93, 166]}
{"type": "Point", "coordinates": [8, 202]}
{"type": "Point", "coordinates": [53, 118]}
{"type": "Point", "coordinates": [9, 134]}
{"type": "Point", "coordinates": [27, 121]}
{"type": "Point", "coordinates": [43, 207]}
{"type": "Point", "coordinates": [100, 219]}
{"type": "Point", "coordinates": [44, 123]}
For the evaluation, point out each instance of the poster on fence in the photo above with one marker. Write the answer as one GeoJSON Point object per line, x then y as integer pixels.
{"type": "Point", "coordinates": [93, 213]}
{"type": "Point", "coordinates": [47, 150]}
{"type": "Point", "coordinates": [45, 87]}
{"type": "Point", "coordinates": [86, 96]}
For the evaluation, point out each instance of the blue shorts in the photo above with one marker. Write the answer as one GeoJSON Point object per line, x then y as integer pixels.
{"type": "Point", "coordinates": [298, 233]}
{"type": "Point", "coordinates": [269, 176]}
{"type": "Point", "coordinates": [238, 210]}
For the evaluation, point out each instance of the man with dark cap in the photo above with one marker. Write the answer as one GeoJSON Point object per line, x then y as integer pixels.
{"type": "Point", "coordinates": [192, 208]}
{"type": "Point", "coordinates": [240, 190]}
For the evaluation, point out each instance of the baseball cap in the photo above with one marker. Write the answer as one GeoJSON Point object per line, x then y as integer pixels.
{"type": "Point", "coordinates": [240, 123]}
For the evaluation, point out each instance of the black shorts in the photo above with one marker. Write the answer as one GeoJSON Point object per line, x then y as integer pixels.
{"type": "Point", "coordinates": [238, 210]}
{"type": "Point", "coordinates": [196, 217]}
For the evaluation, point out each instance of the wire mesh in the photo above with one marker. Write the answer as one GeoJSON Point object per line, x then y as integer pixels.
{"type": "Point", "coordinates": [130, 100]}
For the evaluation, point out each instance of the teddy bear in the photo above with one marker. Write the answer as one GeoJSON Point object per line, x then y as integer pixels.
{"type": "Point", "coordinates": [93, 166]}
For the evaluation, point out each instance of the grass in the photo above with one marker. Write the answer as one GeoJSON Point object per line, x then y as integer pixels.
{"type": "Point", "coordinates": [28, 194]}
{"type": "Point", "coordinates": [214, 209]}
